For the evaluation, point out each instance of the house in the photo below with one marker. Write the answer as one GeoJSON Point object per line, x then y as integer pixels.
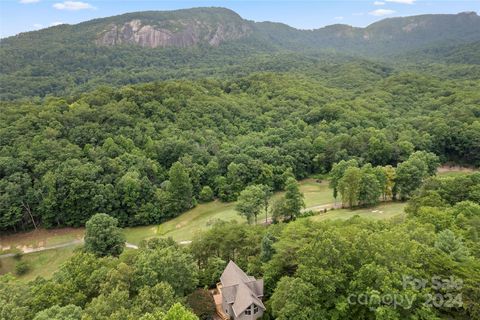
{"type": "Point", "coordinates": [241, 294]}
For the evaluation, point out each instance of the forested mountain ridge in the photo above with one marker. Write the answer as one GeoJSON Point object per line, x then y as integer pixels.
{"type": "Point", "coordinates": [142, 28]}
{"type": "Point", "coordinates": [146, 46]}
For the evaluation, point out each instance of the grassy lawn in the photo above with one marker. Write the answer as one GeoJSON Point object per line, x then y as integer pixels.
{"type": "Point", "coordinates": [455, 171]}
{"type": "Point", "coordinates": [382, 211]}
{"type": "Point", "coordinates": [185, 226]}
{"type": "Point", "coordinates": [181, 228]}
{"type": "Point", "coordinates": [43, 263]}
{"type": "Point", "coordinates": [39, 238]}
{"type": "Point", "coordinates": [316, 193]}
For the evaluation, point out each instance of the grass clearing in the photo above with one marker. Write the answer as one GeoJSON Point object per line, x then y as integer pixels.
{"type": "Point", "coordinates": [182, 229]}
{"type": "Point", "coordinates": [42, 264]}
{"type": "Point", "coordinates": [454, 171]}
{"type": "Point", "coordinates": [39, 238]}
{"type": "Point", "coordinates": [385, 210]}
{"type": "Point", "coordinates": [316, 193]}
{"type": "Point", "coordinates": [185, 226]}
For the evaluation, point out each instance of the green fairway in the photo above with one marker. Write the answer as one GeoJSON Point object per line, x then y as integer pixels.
{"type": "Point", "coordinates": [26, 241]}
{"type": "Point", "coordinates": [185, 226]}
{"type": "Point", "coordinates": [455, 171]}
{"type": "Point", "coordinates": [316, 193]}
{"type": "Point", "coordinates": [382, 211]}
{"type": "Point", "coordinates": [43, 263]}
{"type": "Point", "coordinates": [182, 229]}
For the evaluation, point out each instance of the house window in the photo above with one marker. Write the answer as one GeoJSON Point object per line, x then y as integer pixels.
{"type": "Point", "coordinates": [255, 309]}
{"type": "Point", "coordinates": [248, 311]}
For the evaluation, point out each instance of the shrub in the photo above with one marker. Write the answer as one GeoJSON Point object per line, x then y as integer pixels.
{"type": "Point", "coordinates": [21, 268]}
{"type": "Point", "coordinates": [18, 256]}
{"type": "Point", "coordinates": [206, 194]}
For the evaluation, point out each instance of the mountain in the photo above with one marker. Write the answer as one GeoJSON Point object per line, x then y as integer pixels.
{"type": "Point", "coordinates": [158, 45]}
{"type": "Point", "coordinates": [182, 28]}
{"type": "Point", "coordinates": [386, 37]}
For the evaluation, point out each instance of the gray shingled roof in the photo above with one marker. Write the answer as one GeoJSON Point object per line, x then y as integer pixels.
{"type": "Point", "coordinates": [240, 289]}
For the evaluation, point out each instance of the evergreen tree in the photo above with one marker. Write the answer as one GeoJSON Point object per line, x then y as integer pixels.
{"type": "Point", "coordinates": [451, 245]}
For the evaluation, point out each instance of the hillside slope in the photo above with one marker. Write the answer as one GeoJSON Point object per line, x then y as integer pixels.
{"type": "Point", "coordinates": [154, 45]}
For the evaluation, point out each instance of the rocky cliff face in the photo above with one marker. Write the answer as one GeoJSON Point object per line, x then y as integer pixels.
{"type": "Point", "coordinates": [176, 33]}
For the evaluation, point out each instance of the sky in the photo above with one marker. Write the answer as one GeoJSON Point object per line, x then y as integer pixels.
{"type": "Point", "coordinates": [27, 15]}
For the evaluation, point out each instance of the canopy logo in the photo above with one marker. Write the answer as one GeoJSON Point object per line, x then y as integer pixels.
{"type": "Point", "coordinates": [436, 292]}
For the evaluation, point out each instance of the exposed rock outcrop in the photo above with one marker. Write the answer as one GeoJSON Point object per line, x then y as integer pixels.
{"type": "Point", "coordinates": [178, 33]}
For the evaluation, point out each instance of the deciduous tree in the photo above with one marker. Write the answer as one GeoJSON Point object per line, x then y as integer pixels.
{"type": "Point", "coordinates": [103, 237]}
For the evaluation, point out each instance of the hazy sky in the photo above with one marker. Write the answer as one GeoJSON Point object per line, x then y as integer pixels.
{"type": "Point", "coordinates": [26, 15]}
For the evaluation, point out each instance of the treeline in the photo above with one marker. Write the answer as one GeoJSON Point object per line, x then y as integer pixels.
{"type": "Point", "coordinates": [423, 266]}
{"type": "Point", "coordinates": [365, 186]}
{"type": "Point", "coordinates": [146, 153]}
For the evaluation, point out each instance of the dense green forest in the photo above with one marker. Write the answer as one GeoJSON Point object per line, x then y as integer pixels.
{"type": "Point", "coordinates": [144, 153]}
{"type": "Point", "coordinates": [102, 132]}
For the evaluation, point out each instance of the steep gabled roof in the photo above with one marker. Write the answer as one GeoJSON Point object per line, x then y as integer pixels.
{"type": "Point", "coordinates": [233, 275]}
{"type": "Point", "coordinates": [245, 298]}
{"type": "Point", "coordinates": [240, 289]}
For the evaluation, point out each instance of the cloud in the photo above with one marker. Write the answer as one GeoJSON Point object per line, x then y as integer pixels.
{"type": "Point", "coordinates": [402, 1]}
{"type": "Point", "coordinates": [73, 5]}
{"type": "Point", "coordinates": [357, 14]}
{"type": "Point", "coordinates": [56, 23]}
{"type": "Point", "coordinates": [38, 25]}
{"type": "Point", "coordinates": [381, 12]}
{"type": "Point", "coordinates": [339, 18]}
{"type": "Point", "coordinates": [378, 3]}
{"type": "Point", "coordinates": [29, 1]}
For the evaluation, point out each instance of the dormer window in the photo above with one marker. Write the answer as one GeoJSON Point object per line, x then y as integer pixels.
{"type": "Point", "coordinates": [253, 309]}
{"type": "Point", "coordinates": [241, 293]}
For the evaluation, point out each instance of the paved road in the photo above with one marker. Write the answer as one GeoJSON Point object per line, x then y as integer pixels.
{"type": "Point", "coordinates": [63, 245]}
